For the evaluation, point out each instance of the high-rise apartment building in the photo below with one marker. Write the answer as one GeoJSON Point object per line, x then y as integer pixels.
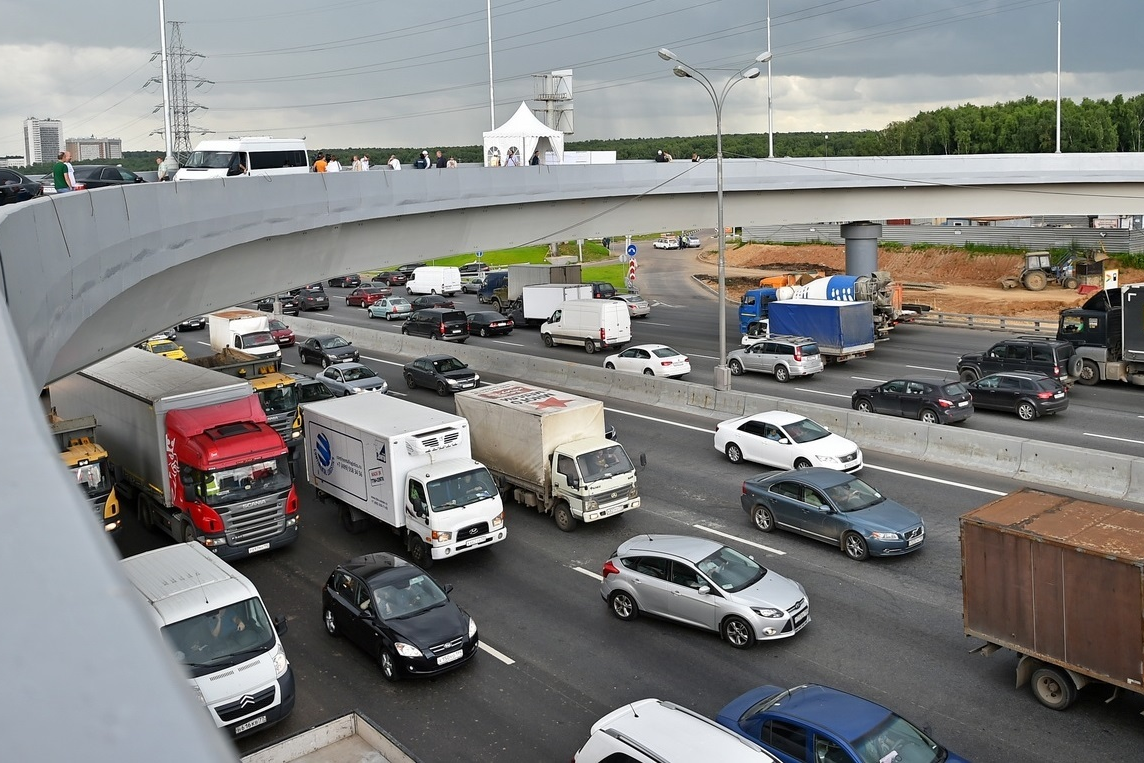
{"type": "Point", "coordinates": [43, 140]}
{"type": "Point", "coordinates": [86, 149]}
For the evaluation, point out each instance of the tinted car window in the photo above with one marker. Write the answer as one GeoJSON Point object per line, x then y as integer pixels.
{"type": "Point", "coordinates": [785, 737]}
{"type": "Point", "coordinates": [809, 349]}
{"type": "Point", "coordinates": [955, 389]}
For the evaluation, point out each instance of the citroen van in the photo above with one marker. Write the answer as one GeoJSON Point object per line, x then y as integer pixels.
{"type": "Point", "coordinates": [245, 156]}
{"type": "Point", "coordinates": [596, 324]}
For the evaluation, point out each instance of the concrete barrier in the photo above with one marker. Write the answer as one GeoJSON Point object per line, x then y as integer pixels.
{"type": "Point", "coordinates": [1103, 474]}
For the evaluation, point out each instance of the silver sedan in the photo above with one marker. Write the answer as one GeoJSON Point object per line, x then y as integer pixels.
{"type": "Point", "coordinates": [390, 308]}
{"type": "Point", "coordinates": [637, 305]}
{"type": "Point", "coordinates": [350, 379]}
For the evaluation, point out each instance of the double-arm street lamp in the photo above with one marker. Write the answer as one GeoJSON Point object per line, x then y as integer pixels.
{"type": "Point", "coordinates": [722, 372]}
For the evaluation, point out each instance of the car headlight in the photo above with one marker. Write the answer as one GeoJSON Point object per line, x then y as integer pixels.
{"type": "Point", "coordinates": [472, 627]}
{"type": "Point", "coordinates": [452, 382]}
{"type": "Point", "coordinates": [280, 662]}
{"type": "Point", "coordinates": [357, 390]}
{"type": "Point", "coordinates": [827, 459]}
{"type": "Point", "coordinates": [406, 650]}
{"type": "Point", "coordinates": [591, 504]}
{"type": "Point", "coordinates": [442, 535]}
{"type": "Point", "coordinates": [498, 520]}
{"type": "Point", "coordinates": [885, 536]}
{"type": "Point", "coordinates": [768, 612]}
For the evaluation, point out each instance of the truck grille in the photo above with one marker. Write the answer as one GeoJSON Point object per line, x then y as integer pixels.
{"type": "Point", "coordinates": [472, 531]}
{"type": "Point", "coordinates": [247, 704]}
{"type": "Point", "coordinates": [611, 496]}
{"type": "Point", "coordinates": [246, 527]}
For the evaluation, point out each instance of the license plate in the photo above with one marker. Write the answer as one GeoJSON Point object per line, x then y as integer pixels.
{"type": "Point", "coordinates": [250, 724]}
{"type": "Point", "coordinates": [800, 619]}
{"type": "Point", "coordinates": [917, 540]}
{"type": "Point", "coordinates": [259, 547]}
{"type": "Point", "coordinates": [445, 659]}
{"type": "Point", "coordinates": [963, 403]}
{"type": "Point", "coordinates": [1059, 395]}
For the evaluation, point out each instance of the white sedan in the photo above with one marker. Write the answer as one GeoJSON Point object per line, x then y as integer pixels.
{"type": "Point", "coordinates": [649, 359]}
{"type": "Point", "coordinates": [666, 242]}
{"type": "Point", "coordinates": [785, 441]}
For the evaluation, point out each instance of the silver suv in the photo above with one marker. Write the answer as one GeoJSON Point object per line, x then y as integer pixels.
{"type": "Point", "coordinates": [783, 356]}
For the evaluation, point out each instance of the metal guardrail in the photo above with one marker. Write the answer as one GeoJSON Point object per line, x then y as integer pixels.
{"type": "Point", "coordinates": [988, 322]}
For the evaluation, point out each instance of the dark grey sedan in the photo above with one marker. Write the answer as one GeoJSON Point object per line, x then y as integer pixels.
{"type": "Point", "coordinates": [344, 379]}
{"type": "Point", "coordinates": [933, 401]}
{"type": "Point", "coordinates": [93, 176]}
{"type": "Point", "coordinates": [443, 373]}
{"type": "Point", "coordinates": [1027, 394]}
{"type": "Point", "coordinates": [833, 507]}
{"type": "Point", "coordinates": [327, 349]}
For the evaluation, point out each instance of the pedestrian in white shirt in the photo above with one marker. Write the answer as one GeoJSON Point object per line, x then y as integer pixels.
{"type": "Point", "coordinates": [333, 165]}
{"type": "Point", "coordinates": [394, 162]}
{"type": "Point", "coordinates": [365, 164]}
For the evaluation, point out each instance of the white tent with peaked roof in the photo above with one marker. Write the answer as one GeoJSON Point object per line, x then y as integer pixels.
{"type": "Point", "coordinates": [526, 134]}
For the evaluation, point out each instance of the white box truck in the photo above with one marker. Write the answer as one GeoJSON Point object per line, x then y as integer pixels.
{"type": "Point", "coordinates": [246, 330]}
{"type": "Point", "coordinates": [548, 448]}
{"type": "Point", "coordinates": [539, 301]}
{"type": "Point", "coordinates": [213, 620]}
{"type": "Point", "coordinates": [409, 466]}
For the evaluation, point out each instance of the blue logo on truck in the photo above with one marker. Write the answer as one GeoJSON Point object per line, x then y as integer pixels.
{"type": "Point", "coordinates": [323, 455]}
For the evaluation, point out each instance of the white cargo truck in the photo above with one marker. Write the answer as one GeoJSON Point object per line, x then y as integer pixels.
{"type": "Point", "coordinates": [541, 300]}
{"type": "Point", "coordinates": [246, 330]}
{"type": "Point", "coordinates": [211, 617]}
{"type": "Point", "coordinates": [409, 466]}
{"type": "Point", "coordinates": [549, 449]}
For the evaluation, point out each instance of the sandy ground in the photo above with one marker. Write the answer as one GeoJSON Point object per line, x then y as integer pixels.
{"type": "Point", "coordinates": [948, 280]}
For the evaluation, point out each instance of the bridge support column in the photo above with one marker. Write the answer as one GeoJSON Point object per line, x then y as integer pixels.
{"type": "Point", "coordinates": [861, 247]}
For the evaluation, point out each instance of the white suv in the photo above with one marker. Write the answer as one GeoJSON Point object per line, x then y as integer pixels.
{"type": "Point", "coordinates": [654, 731]}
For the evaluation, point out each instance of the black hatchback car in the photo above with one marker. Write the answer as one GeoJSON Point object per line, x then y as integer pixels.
{"type": "Point", "coordinates": [430, 300]}
{"type": "Point", "coordinates": [1026, 394]}
{"type": "Point", "coordinates": [437, 323]}
{"type": "Point", "coordinates": [443, 373]}
{"type": "Point", "coordinates": [397, 614]}
{"type": "Point", "coordinates": [489, 323]}
{"type": "Point", "coordinates": [326, 350]}
{"type": "Point", "coordinates": [933, 401]}
{"type": "Point", "coordinates": [351, 281]}
{"type": "Point", "coordinates": [291, 303]}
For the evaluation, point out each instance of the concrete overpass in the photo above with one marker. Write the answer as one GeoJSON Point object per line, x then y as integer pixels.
{"type": "Point", "coordinates": [87, 274]}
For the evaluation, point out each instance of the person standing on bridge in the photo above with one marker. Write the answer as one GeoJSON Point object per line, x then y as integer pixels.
{"type": "Point", "coordinates": [535, 160]}
{"type": "Point", "coordinates": [62, 173]}
{"type": "Point", "coordinates": [332, 164]}
{"type": "Point", "coordinates": [441, 162]}
{"type": "Point", "coordinates": [394, 162]}
{"type": "Point", "coordinates": [365, 163]}
{"type": "Point", "coordinates": [320, 163]}
{"type": "Point", "coordinates": [356, 166]}
{"type": "Point", "coordinates": [451, 164]}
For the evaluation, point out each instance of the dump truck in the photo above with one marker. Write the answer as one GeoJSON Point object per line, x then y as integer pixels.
{"type": "Point", "coordinates": [511, 295]}
{"type": "Point", "coordinates": [246, 330]}
{"type": "Point", "coordinates": [407, 466]}
{"type": "Point", "coordinates": [548, 450]}
{"type": "Point", "coordinates": [1108, 334]}
{"type": "Point", "coordinates": [88, 463]}
{"type": "Point", "coordinates": [1059, 581]}
{"type": "Point", "coordinates": [277, 392]}
{"type": "Point", "coordinates": [193, 454]}
{"type": "Point", "coordinates": [350, 738]}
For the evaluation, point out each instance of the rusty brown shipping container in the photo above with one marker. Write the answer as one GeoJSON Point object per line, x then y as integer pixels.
{"type": "Point", "coordinates": [1060, 581]}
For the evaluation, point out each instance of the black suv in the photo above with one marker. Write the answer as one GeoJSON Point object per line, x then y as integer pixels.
{"type": "Point", "coordinates": [602, 290]}
{"type": "Point", "coordinates": [438, 323]}
{"type": "Point", "coordinates": [1044, 355]}
{"type": "Point", "coordinates": [312, 296]}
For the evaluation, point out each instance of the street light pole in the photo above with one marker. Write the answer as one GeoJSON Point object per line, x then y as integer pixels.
{"type": "Point", "coordinates": [722, 372]}
{"type": "Point", "coordinates": [770, 102]}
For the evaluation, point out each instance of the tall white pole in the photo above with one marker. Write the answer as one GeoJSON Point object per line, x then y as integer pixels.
{"type": "Point", "coordinates": [168, 136]}
{"type": "Point", "coordinates": [492, 101]}
{"type": "Point", "coordinates": [1058, 76]}
{"type": "Point", "coordinates": [770, 102]}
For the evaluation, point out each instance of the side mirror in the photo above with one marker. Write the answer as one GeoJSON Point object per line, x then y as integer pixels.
{"type": "Point", "coordinates": [280, 624]}
{"type": "Point", "coordinates": [784, 441]}
{"type": "Point", "coordinates": [704, 590]}
{"type": "Point", "coordinates": [573, 482]}
{"type": "Point", "coordinates": [447, 588]}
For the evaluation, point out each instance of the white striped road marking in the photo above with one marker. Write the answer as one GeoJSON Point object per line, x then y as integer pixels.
{"type": "Point", "coordinates": [660, 420]}
{"type": "Point", "coordinates": [821, 392]}
{"type": "Point", "coordinates": [934, 479]}
{"type": "Point", "coordinates": [740, 540]}
{"type": "Point", "coordinates": [589, 573]}
{"type": "Point", "coordinates": [936, 370]}
{"type": "Point", "coordinates": [499, 655]}
{"type": "Point", "coordinates": [1110, 437]}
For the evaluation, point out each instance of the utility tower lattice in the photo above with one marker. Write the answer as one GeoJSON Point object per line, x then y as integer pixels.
{"type": "Point", "coordinates": [181, 107]}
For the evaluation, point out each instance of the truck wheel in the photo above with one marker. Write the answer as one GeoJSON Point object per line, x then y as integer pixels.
{"type": "Point", "coordinates": [764, 519]}
{"type": "Point", "coordinates": [349, 523]}
{"type": "Point", "coordinates": [968, 375]}
{"type": "Point", "coordinates": [854, 546]}
{"type": "Point", "coordinates": [387, 661]}
{"type": "Point", "coordinates": [929, 416]}
{"type": "Point", "coordinates": [1026, 411]}
{"type": "Point", "coordinates": [734, 453]}
{"type": "Point", "coordinates": [738, 632]}
{"type": "Point", "coordinates": [1089, 373]}
{"type": "Point", "coordinates": [623, 605]}
{"type": "Point", "coordinates": [187, 531]}
{"type": "Point", "coordinates": [143, 512]}
{"type": "Point", "coordinates": [589, 346]}
{"type": "Point", "coordinates": [496, 303]}
{"type": "Point", "coordinates": [563, 516]}
{"type": "Point", "coordinates": [331, 624]}
{"type": "Point", "coordinates": [782, 374]}
{"type": "Point", "coordinates": [548, 340]}
{"type": "Point", "coordinates": [1052, 687]}
{"type": "Point", "coordinates": [736, 368]}
{"type": "Point", "coordinates": [420, 552]}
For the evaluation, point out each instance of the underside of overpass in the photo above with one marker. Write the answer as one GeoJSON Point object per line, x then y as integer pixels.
{"type": "Point", "coordinates": [87, 274]}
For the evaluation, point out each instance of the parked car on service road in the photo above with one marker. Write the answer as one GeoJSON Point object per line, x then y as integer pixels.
{"type": "Point", "coordinates": [650, 360]}
{"type": "Point", "coordinates": [666, 242]}
{"type": "Point", "coordinates": [785, 441]}
{"type": "Point", "coordinates": [397, 614]}
{"type": "Point", "coordinates": [783, 356]}
{"type": "Point", "coordinates": [327, 349]}
{"type": "Point", "coordinates": [473, 268]}
{"type": "Point", "coordinates": [364, 296]}
{"type": "Point", "coordinates": [637, 305]}
{"type": "Point", "coordinates": [351, 379]}
{"type": "Point", "coordinates": [390, 278]}
{"type": "Point", "coordinates": [390, 308]}
{"type": "Point", "coordinates": [437, 323]}
{"type": "Point", "coordinates": [92, 176]}
{"type": "Point", "coordinates": [703, 583]}
{"type": "Point", "coordinates": [430, 300]}
{"type": "Point", "coordinates": [351, 281]}
{"type": "Point", "coordinates": [15, 187]}
{"type": "Point", "coordinates": [833, 507]}
{"type": "Point", "coordinates": [1029, 395]}
{"type": "Point", "coordinates": [282, 333]}
{"type": "Point", "coordinates": [933, 401]}
{"type": "Point", "coordinates": [817, 723]}
{"type": "Point", "coordinates": [489, 323]}
{"type": "Point", "coordinates": [443, 373]}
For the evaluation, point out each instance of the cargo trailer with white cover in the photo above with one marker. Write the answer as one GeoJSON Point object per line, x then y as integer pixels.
{"type": "Point", "coordinates": [542, 299]}
{"type": "Point", "coordinates": [549, 449]}
{"type": "Point", "coordinates": [409, 466]}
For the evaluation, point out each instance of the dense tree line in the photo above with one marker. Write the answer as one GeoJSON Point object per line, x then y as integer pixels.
{"type": "Point", "coordinates": [1026, 126]}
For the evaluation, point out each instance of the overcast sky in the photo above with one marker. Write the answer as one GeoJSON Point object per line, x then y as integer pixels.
{"type": "Point", "coordinates": [346, 73]}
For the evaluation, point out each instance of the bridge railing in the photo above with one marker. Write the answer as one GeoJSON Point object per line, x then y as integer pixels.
{"type": "Point", "coordinates": [989, 322]}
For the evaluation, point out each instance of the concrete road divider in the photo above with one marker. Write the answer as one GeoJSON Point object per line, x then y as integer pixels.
{"type": "Point", "coordinates": [1039, 463]}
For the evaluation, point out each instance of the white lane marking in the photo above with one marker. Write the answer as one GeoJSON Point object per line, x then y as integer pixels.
{"type": "Point", "coordinates": [499, 655]}
{"type": "Point", "coordinates": [510, 344]}
{"type": "Point", "coordinates": [821, 392]}
{"type": "Point", "coordinates": [589, 573]}
{"type": "Point", "coordinates": [663, 421]}
{"type": "Point", "coordinates": [936, 370]}
{"type": "Point", "coordinates": [705, 357]}
{"type": "Point", "coordinates": [740, 540]}
{"type": "Point", "coordinates": [382, 360]}
{"type": "Point", "coordinates": [1110, 437]}
{"type": "Point", "coordinates": [868, 465]}
{"type": "Point", "coordinates": [867, 379]}
{"type": "Point", "coordinates": [649, 323]}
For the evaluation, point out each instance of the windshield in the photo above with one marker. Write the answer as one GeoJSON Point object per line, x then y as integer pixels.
{"type": "Point", "coordinates": [241, 483]}
{"type": "Point", "coordinates": [357, 373]}
{"type": "Point", "coordinates": [731, 571]}
{"type": "Point", "coordinates": [899, 741]}
{"type": "Point", "coordinates": [449, 364]}
{"type": "Point", "coordinates": [312, 391]}
{"type": "Point", "coordinates": [604, 463]}
{"type": "Point", "coordinates": [93, 479]}
{"type": "Point", "coordinates": [259, 339]}
{"type": "Point", "coordinates": [957, 389]}
{"type": "Point", "coordinates": [282, 399]}
{"type": "Point", "coordinates": [806, 431]}
{"type": "Point", "coordinates": [853, 495]}
{"type": "Point", "coordinates": [221, 637]}
{"type": "Point", "coordinates": [277, 325]}
{"type": "Point", "coordinates": [333, 342]}
{"type": "Point", "coordinates": [217, 160]}
{"type": "Point", "coordinates": [405, 595]}
{"type": "Point", "coordinates": [161, 347]}
{"type": "Point", "coordinates": [461, 489]}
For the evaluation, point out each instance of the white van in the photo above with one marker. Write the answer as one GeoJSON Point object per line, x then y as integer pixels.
{"type": "Point", "coordinates": [245, 156]}
{"type": "Point", "coordinates": [431, 279]}
{"type": "Point", "coordinates": [597, 324]}
{"type": "Point", "coordinates": [214, 622]}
